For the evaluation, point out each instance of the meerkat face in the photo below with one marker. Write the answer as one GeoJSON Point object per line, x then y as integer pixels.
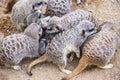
{"type": "Point", "coordinates": [88, 28]}
{"type": "Point", "coordinates": [54, 25]}
{"type": "Point", "coordinates": [49, 24]}
{"type": "Point", "coordinates": [38, 4]}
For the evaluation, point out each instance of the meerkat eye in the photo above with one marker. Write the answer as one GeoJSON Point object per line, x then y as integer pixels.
{"type": "Point", "coordinates": [40, 3]}
{"type": "Point", "coordinates": [90, 30]}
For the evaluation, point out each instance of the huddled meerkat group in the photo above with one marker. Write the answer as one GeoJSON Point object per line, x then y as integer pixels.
{"type": "Point", "coordinates": [56, 34]}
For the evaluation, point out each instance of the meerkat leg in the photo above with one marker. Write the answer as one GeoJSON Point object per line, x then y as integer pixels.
{"type": "Point", "coordinates": [77, 52]}
{"type": "Point", "coordinates": [39, 60]}
{"type": "Point", "coordinates": [65, 70]}
{"type": "Point", "coordinates": [81, 66]}
{"type": "Point", "coordinates": [62, 65]}
{"type": "Point", "coordinates": [106, 66]}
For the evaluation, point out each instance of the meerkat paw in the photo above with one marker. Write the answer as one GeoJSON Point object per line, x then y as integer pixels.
{"type": "Point", "coordinates": [16, 67]}
{"type": "Point", "coordinates": [107, 66]}
{"type": "Point", "coordinates": [66, 71]}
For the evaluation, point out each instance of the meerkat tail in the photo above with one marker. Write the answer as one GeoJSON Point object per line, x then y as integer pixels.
{"type": "Point", "coordinates": [39, 60]}
{"type": "Point", "coordinates": [81, 66]}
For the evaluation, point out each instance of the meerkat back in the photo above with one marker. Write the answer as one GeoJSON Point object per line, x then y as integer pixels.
{"type": "Point", "coordinates": [105, 43]}
{"type": "Point", "coordinates": [58, 7]}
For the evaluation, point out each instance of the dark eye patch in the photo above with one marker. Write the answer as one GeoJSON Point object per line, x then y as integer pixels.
{"type": "Point", "coordinates": [40, 3]}
{"type": "Point", "coordinates": [91, 29]}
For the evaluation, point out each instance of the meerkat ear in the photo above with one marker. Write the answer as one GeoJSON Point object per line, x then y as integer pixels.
{"type": "Point", "coordinates": [83, 33]}
{"type": "Point", "coordinates": [33, 30]}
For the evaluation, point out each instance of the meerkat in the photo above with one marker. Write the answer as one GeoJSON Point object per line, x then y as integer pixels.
{"type": "Point", "coordinates": [58, 24]}
{"type": "Point", "coordinates": [58, 7]}
{"type": "Point", "coordinates": [34, 17]}
{"type": "Point", "coordinates": [22, 9]}
{"type": "Point", "coordinates": [98, 49]}
{"type": "Point", "coordinates": [65, 43]}
{"type": "Point", "coordinates": [15, 47]}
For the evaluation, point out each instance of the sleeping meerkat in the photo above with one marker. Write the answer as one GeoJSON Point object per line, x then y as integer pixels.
{"type": "Point", "coordinates": [15, 47]}
{"type": "Point", "coordinates": [98, 49]}
{"type": "Point", "coordinates": [22, 9]}
{"type": "Point", "coordinates": [65, 43]}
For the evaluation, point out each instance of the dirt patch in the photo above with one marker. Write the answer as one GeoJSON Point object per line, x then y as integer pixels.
{"type": "Point", "coordinates": [107, 11]}
{"type": "Point", "coordinates": [6, 26]}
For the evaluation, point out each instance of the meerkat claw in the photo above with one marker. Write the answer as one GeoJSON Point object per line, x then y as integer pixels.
{"type": "Point", "coordinates": [67, 71]}
{"type": "Point", "coordinates": [108, 66]}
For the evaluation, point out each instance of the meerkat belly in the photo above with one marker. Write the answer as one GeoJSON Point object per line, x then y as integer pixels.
{"type": "Point", "coordinates": [69, 48]}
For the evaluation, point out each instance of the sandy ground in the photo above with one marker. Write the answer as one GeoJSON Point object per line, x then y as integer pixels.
{"type": "Point", "coordinates": [106, 11]}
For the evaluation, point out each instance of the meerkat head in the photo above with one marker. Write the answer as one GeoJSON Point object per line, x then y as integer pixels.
{"type": "Point", "coordinates": [54, 25]}
{"type": "Point", "coordinates": [34, 31]}
{"type": "Point", "coordinates": [44, 22]}
{"type": "Point", "coordinates": [88, 28]}
{"type": "Point", "coordinates": [108, 26]}
{"type": "Point", "coordinates": [50, 24]}
{"type": "Point", "coordinates": [38, 4]}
